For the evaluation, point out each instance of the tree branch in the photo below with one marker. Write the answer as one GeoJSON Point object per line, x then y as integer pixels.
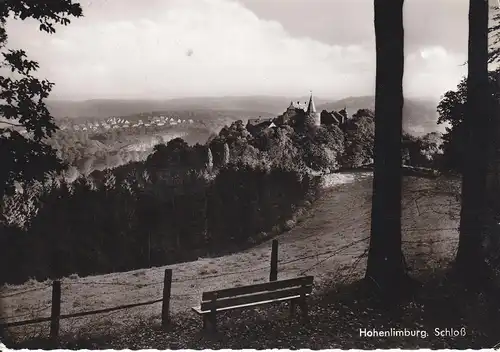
{"type": "Point", "coordinates": [11, 124]}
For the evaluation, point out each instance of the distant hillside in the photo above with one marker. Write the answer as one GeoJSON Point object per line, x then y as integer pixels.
{"type": "Point", "coordinates": [240, 107]}
{"type": "Point", "coordinates": [265, 104]}
{"type": "Point", "coordinates": [352, 104]}
{"type": "Point", "coordinates": [419, 116]}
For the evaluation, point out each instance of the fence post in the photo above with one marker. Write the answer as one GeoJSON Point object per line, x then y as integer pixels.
{"type": "Point", "coordinates": [165, 309]}
{"type": "Point", "coordinates": [56, 310]}
{"type": "Point", "coordinates": [273, 276]}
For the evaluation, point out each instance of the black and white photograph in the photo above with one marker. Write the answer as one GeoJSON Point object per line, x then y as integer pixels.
{"type": "Point", "coordinates": [249, 174]}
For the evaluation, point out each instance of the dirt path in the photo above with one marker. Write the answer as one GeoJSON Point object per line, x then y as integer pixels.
{"type": "Point", "coordinates": [326, 245]}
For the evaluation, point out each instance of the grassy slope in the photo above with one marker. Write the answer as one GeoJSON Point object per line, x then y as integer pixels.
{"type": "Point", "coordinates": [340, 217]}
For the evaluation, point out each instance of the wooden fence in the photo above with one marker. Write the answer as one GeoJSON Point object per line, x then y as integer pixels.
{"type": "Point", "coordinates": [56, 315]}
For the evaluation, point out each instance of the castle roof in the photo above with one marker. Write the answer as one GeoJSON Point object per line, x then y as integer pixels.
{"type": "Point", "coordinates": [311, 108]}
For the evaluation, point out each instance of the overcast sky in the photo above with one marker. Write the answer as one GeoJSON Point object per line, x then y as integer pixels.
{"type": "Point", "coordinates": [176, 48]}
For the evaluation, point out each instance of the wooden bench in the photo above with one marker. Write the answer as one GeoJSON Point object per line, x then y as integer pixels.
{"type": "Point", "coordinates": [293, 290]}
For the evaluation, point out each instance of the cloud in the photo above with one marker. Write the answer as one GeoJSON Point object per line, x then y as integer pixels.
{"type": "Point", "coordinates": [434, 70]}
{"type": "Point", "coordinates": [232, 51]}
{"type": "Point", "coordinates": [201, 48]}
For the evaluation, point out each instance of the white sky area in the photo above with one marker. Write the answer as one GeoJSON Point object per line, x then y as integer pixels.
{"type": "Point", "coordinates": [161, 49]}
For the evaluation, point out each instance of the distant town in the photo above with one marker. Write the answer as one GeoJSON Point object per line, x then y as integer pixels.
{"type": "Point", "coordinates": [120, 123]}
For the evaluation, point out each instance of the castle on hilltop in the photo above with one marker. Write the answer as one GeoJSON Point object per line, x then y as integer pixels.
{"type": "Point", "coordinates": [300, 114]}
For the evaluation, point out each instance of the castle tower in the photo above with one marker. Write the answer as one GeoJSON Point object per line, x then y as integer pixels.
{"type": "Point", "coordinates": [313, 116]}
{"type": "Point", "coordinates": [343, 112]}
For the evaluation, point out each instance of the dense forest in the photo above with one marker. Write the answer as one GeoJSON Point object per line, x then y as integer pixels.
{"type": "Point", "coordinates": [182, 201]}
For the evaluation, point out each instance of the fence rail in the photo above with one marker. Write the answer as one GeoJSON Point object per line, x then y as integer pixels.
{"type": "Point", "coordinates": [56, 315]}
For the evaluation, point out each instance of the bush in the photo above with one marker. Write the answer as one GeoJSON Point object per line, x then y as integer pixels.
{"type": "Point", "coordinates": [359, 140]}
{"type": "Point", "coordinates": [289, 224]}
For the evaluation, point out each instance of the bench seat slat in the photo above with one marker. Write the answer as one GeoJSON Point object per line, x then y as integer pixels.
{"type": "Point", "coordinates": [267, 286]}
{"type": "Point", "coordinates": [201, 312]}
{"type": "Point", "coordinates": [256, 297]}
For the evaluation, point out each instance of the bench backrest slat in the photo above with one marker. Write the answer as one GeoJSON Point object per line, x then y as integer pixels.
{"type": "Point", "coordinates": [267, 286]}
{"type": "Point", "coordinates": [256, 297]}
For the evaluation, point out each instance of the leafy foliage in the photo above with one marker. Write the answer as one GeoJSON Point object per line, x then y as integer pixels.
{"type": "Point", "coordinates": [174, 154]}
{"type": "Point", "coordinates": [323, 148]}
{"type": "Point", "coordinates": [26, 158]}
{"type": "Point", "coordinates": [423, 151]}
{"type": "Point", "coordinates": [451, 110]}
{"type": "Point", "coordinates": [359, 139]}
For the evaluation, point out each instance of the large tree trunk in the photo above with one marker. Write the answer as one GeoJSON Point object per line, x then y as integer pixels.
{"type": "Point", "coordinates": [493, 176]}
{"type": "Point", "coordinates": [477, 124]}
{"type": "Point", "coordinates": [385, 259]}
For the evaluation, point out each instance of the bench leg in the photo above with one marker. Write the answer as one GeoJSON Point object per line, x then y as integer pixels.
{"type": "Point", "coordinates": [292, 307]}
{"type": "Point", "coordinates": [213, 322]}
{"type": "Point", "coordinates": [304, 309]}
{"type": "Point", "coordinates": [209, 322]}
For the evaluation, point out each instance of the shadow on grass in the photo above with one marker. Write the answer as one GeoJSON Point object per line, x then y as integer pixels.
{"type": "Point", "coordinates": [337, 314]}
